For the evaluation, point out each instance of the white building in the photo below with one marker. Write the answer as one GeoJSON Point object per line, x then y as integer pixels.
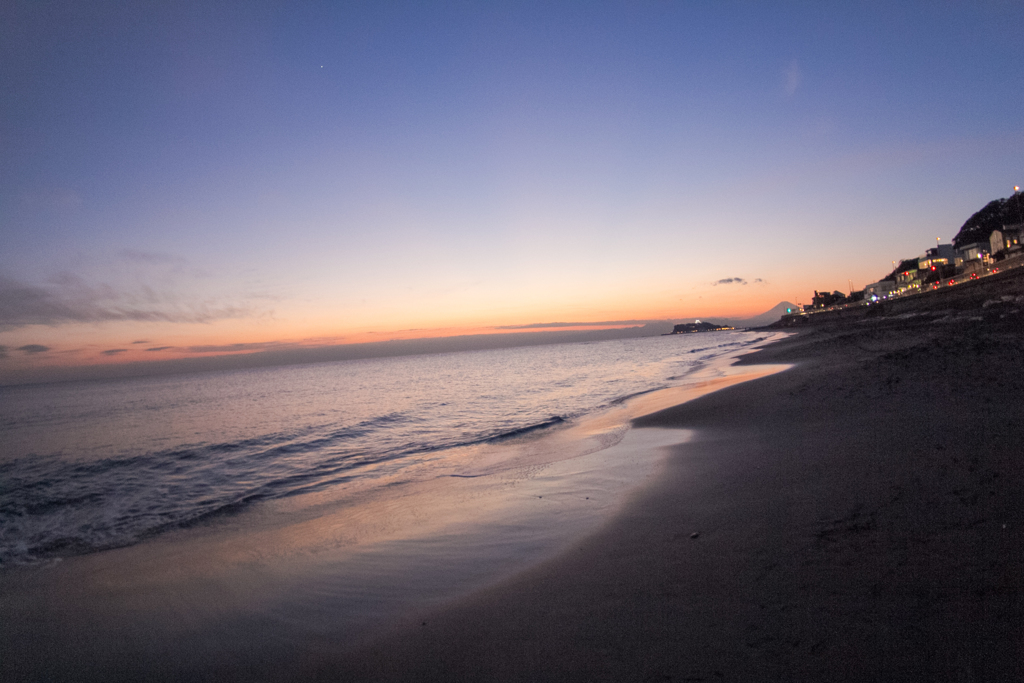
{"type": "Point", "coordinates": [879, 290]}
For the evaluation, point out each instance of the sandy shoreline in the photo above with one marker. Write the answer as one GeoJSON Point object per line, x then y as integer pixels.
{"type": "Point", "coordinates": [860, 518]}
{"type": "Point", "coordinates": [292, 583]}
{"type": "Point", "coordinates": [857, 517]}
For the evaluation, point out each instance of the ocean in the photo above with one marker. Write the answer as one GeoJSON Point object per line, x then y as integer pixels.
{"type": "Point", "coordinates": [89, 466]}
{"type": "Point", "coordinates": [182, 523]}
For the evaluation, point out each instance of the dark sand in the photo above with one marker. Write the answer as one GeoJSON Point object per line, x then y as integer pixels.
{"type": "Point", "coordinates": [860, 517]}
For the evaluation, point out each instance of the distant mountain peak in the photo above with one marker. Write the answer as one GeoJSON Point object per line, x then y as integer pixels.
{"type": "Point", "coordinates": [764, 319]}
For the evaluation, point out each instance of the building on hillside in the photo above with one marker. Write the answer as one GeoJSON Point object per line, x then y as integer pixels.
{"type": "Point", "coordinates": [973, 259]}
{"type": "Point", "coordinates": [907, 277]}
{"type": "Point", "coordinates": [879, 290]}
{"type": "Point", "coordinates": [1001, 242]}
{"type": "Point", "coordinates": [936, 264]}
{"type": "Point", "coordinates": [939, 255]}
{"type": "Point", "coordinates": [824, 299]}
{"type": "Point", "coordinates": [976, 251]}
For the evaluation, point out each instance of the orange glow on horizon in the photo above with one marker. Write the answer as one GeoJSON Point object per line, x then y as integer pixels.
{"type": "Point", "coordinates": [293, 329]}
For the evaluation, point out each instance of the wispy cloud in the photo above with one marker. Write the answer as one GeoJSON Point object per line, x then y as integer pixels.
{"type": "Point", "coordinates": [231, 348]}
{"type": "Point", "coordinates": [152, 258]}
{"type": "Point", "coordinates": [793, 77]}
{"type": "Point", "coordinates": [68, 298]}
{"type": "Point", "coordinates": [608, 323]}
{"type": "Point", "coordinates": [113, 352]}
{"type": "Point", "coordinates": [729, 281]}
{"type": "Point", "coordinates": [34, 348]}
{"type": "Point", "coordinates": [160, 348]}
{"type": "Point", "coordinates": [142, 341]}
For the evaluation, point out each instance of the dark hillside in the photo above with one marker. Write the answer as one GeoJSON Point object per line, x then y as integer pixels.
{"type": "Point", "coordinates": [995, 215]}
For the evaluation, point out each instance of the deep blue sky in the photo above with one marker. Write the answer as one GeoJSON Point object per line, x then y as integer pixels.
{"type": "Point", "coordinates": [257, 172]}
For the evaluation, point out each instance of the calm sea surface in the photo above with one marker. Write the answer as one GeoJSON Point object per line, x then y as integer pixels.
{"type": "Point", "coordinates": [88, 466]}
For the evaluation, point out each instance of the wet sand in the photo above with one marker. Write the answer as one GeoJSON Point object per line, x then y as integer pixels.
{"type": "Point", "coordinates": [285, 588]}
{"type": "Point", "coordinates": [859, 517]}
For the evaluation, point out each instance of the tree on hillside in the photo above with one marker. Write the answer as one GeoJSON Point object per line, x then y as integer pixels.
{"type": "Point", "coordinates": [993, 216]}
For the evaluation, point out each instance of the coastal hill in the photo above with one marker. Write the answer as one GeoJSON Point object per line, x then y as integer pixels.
{"type": "Point", "coordinates": [687, 328]}
{"type": "Point", "coordinates": [994, 215]}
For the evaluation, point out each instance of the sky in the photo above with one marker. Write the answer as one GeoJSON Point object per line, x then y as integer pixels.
{"type": "Point", "coordinates": [182, 180]}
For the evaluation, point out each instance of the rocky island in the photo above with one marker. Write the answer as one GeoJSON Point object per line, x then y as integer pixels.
{"type": "Point", "coordinates": [698, 326]}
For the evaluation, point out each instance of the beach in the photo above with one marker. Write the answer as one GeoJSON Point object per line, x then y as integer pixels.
{"type": "Point", "coordinates": [855, 517]}
{"type": "Point", "coordinates": [500, 342]}
{"type": "Point", "coordinates": [345, 498]}
{"type": "Point", "coordinates": [858, 517]}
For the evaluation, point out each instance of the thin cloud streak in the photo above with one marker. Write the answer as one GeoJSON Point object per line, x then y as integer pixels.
{"type": "Point", "coordinates": [234, 348]}
{"type": "Point", "coordinates": [70, 299]}
{"type": "Point", "coordinates": [605, 323]}
{"type": "Point", "coordinates": [738, 281]}
{"type": "Point", "coordinates": [33, 348]}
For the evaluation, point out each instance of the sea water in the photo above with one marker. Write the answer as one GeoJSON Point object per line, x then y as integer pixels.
{"type": "Point", "coordinates": [90, 466]}
{"type": "Point", "coordinates": [255, 522]}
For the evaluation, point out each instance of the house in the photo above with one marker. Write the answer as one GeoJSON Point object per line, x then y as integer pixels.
{"type": "Point", "coordinates": [976, 251]}
{"type": "Point", "coordinates": [824, 299]}
{"type": "Point", "coordinates": [939, 255]}
{"type": "Point", "coordinates": [936, 264]}
{"type": "Point", "coordinates": [907, 278]}
{"type": "Point", "coordinates": [879, 290]}
{"type": "Point", "coordinates": [1006, 240]}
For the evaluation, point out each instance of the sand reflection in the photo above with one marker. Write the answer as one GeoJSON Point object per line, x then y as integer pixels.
{"type": "Point", "coordinates": [327, 570]}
